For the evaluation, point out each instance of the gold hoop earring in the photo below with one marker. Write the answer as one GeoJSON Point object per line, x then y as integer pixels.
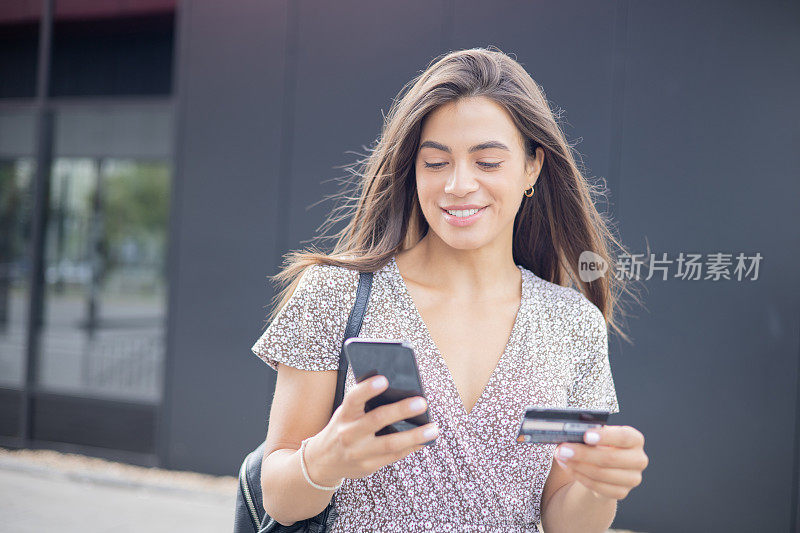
{"type": "Point", "coordinates": [526, 192]}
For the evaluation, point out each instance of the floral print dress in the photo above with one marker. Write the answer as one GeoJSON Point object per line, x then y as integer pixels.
{"type": "Point", "coordinates": [476, 477]}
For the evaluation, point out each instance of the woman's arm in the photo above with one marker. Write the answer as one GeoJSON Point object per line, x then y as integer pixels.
{"type": "Point", "coordinates": [569, 506]}
{"type": "Point", "coordinates": [301, 407]}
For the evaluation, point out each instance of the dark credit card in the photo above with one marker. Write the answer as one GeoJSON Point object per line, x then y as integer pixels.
{"type": "Point", "coordinates": [550, 425]}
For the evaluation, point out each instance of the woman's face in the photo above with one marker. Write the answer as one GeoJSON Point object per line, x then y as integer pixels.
{"type": "Point", "coordinates": [472, 157]}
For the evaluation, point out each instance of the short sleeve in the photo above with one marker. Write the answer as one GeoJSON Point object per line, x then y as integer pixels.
{"type": "Point", "coordinates": [593, 384]}
{"type": "Point", "coordinates": [308, 331]}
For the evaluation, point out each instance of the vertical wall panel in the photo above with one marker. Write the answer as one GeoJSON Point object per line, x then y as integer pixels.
{"type": "Point", "coordinates": [230, 94]}
{"type": "Point", "coordinates": [710, 164]}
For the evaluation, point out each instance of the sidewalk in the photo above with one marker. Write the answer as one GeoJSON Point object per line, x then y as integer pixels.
{"type": "Point", "coordinates": [43, 490]}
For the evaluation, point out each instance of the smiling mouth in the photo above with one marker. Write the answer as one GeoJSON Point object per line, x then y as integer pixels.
{"type": "Point", "coordinates": [463, 213]}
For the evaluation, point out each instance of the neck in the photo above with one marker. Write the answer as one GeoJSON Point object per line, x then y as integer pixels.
{"type": "Point", "coordinates": [483, 274]}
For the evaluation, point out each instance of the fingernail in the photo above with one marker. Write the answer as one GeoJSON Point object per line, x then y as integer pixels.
{"type": "Point", "coordinates": [592, 437]}
{"type": "Point", "coordinates": [379, 382]}
{"type": "Point", "coordinates": [565, 453]}
{"type": "Point", "coordinates": [417, 404]}
{"type": "Point", "coordinates": [431, 432]}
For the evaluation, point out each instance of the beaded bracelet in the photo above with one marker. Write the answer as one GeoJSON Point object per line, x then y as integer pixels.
{"type": "Point", "coordinates": [305, 472]}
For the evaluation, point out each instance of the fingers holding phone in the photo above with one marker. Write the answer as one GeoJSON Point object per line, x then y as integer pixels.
{"type": "Point", "coordinates": [380, 420]}
{"type": "Point", "coordinates": [395, 360]}
{"type": "Point", "coordinates": [348, 445]}
{"type": "Point", "coordinates": [354, 402]}
{"type": "Point", "coordinates": [396, 444]}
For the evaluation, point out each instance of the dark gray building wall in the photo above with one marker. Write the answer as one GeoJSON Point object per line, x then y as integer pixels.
{"type": "Point", "coordinates": [686, 109]}
{"type": "Point", "coordinates": [230, 115]}
{"type": "Point", "coordinates": [709, 164]}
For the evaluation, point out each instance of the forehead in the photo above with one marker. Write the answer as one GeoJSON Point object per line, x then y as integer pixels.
{"type": "Point", "coordinates": [470, 120]}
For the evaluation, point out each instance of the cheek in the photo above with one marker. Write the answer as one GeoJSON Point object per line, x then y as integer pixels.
{"type": "Point", "coordinates": [426, 190]}
{"type": "Point", "coordinates": [515, 185]}
{"type": "Point", "coordinates": [506, 192]}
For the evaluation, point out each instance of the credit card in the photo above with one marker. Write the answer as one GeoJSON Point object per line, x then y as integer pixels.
{"type": "Point", "coordinates": [550, 425]}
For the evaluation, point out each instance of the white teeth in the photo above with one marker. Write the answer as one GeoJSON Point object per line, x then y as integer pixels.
{"type": "Point", "coordinates": [463, 213]}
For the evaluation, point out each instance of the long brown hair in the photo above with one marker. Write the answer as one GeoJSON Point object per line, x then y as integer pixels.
{"type": "Point", "coordinates": [383, 215]}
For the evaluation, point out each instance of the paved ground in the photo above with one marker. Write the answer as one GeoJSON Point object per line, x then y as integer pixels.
{"type": "Point", "coordinates": [50, 491]}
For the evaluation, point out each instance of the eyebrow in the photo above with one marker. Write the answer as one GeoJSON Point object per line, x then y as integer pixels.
{"type": "Point", "coordinates": [476, 148]}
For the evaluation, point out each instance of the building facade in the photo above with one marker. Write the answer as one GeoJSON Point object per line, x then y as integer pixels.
{"type": "Point", "coordinates": [157, 158]}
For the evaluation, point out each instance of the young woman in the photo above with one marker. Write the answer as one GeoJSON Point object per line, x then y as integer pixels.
{"type": "Point", "coordinates": [472, 214]}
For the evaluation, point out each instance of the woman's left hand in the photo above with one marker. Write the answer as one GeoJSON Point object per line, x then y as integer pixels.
{"type": "Point", "coordinates": [610, 466]}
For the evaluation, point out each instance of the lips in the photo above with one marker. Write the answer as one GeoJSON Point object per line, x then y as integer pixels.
{"type": "Point", "coordinates": [478, 209]}
{"type": "Point", "coordinates": [463, 221]}
{"type": "Point", "coordinates": [462, 207]}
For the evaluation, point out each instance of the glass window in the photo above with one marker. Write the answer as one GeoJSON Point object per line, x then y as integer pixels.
{"type": "Point", "coordinates": [19, 47]}
{"type": "Point", "coordinates": [103, 329]}
{"type": "Point", "coordinates": [16, 197]}
{"type": "Point", "coordinates": [136, 131]}
{"type": "Point", "coordinates": [17, 175]}
{"type": "Point", "coordinates": [112, 48]}
{"type": "Point", "coordinates": [105, 295]}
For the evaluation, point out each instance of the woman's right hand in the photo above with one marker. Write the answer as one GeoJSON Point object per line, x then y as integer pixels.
{"type": "Point", "coordinates": [347, 446]}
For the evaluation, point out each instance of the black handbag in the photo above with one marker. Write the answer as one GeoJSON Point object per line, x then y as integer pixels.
{"type": "Point", "coordinates": [250, 516]}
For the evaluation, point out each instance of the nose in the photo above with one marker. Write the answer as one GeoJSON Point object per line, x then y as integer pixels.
{"type": "Point", "coordinates": [461, 182]}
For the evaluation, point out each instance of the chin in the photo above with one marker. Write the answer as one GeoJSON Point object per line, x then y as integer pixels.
{"type": "Point", "coordinates": [460, 242]}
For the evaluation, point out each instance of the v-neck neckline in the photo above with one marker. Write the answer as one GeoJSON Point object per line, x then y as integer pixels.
{"type": "Point", "coordinates": [439, 359]}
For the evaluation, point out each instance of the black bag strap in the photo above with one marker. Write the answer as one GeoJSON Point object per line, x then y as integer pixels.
{"type": "Point", "coordinates": [352, 330]}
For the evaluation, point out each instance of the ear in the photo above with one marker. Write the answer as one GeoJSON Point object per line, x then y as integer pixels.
{"type": "Point", "coordinates": [533, 165]}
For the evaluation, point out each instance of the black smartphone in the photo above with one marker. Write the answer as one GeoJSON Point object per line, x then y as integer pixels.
{"type": "Point", "coordinates": [395, 360]}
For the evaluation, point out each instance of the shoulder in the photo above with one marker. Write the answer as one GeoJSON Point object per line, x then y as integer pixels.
{"type": "Point", "coordinates": [324, 277]}
{"type": "Point", "coordinates": [306, 331]}
{"type": "Point", "coordinates": [566, 305]}
{"type": "Point", "coordinates": [329, 289]}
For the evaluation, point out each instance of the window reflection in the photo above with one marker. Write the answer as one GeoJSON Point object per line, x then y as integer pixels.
{"type": "Point", "coordinates": [16, 196]}
{"type": "Point", "coordinates": [105, 279]}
